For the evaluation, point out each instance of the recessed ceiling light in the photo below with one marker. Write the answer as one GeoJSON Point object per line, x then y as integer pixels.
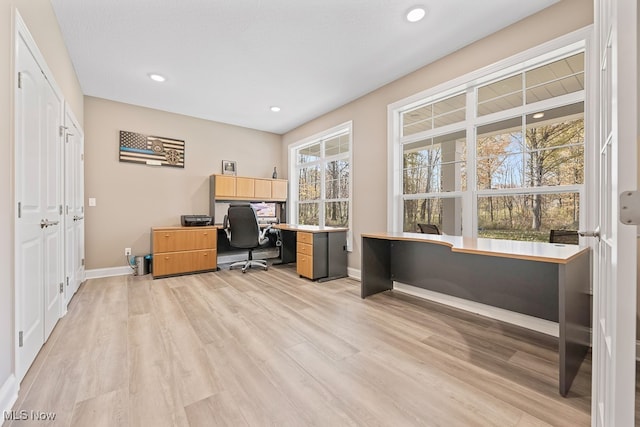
{"type": "Point", "coordinates": [275, 109]}
{"type": "Point", "coordinates": [415, 14]}
{"type": "Point", "coordinates": [157, 77]}
{"type": "Point", "coordinates": [538, 115]}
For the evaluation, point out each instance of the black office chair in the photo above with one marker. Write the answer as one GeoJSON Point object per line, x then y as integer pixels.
{"type": "Point", "coordinates": [569, 237]}
{"type": "Point", "coordinates": [429, 229]}
{"type": "Point", "coordinates": [242, 229]}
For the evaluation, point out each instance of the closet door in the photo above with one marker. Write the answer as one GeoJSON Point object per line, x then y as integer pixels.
{"type": "Point", "coordinates": [38, 191]}
{"type": "Point", "coordinates": [74, 205]}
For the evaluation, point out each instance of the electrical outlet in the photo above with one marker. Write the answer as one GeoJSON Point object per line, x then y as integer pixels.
{"type": "Point", "coordinates": [127, 251]}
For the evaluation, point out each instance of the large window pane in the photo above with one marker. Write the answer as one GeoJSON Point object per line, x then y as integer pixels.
{"type": "Point", "coordinates": [337, 179]}
{"type": "Point", "coordinates": [309, 183]}
{"type": "Point", "coordinates": [337, 214]}
{"type": "Point", "coordinates": [499, 155]}
{"type": "Point", "coordinates": [528, 216]}
{"type": "Point", "coordinates": [446, 213]}
{"type": "Point", "coordinates": [555, 145]}
{"type": "Point", "coordinates": [436, 164]}
{"type": "Point", "coordinates": [308, 213]}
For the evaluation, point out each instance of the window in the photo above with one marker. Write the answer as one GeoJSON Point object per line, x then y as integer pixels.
{"type": "Point", "coordinates": [500, 155]}
{"type": "Point", "coordinates": [320, 168]}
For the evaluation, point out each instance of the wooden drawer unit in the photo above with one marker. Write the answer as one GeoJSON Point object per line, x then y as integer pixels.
{"type": "Point", "coordinates": [311, 260]}
{"type": "Point", "coordinates": [180, 250]}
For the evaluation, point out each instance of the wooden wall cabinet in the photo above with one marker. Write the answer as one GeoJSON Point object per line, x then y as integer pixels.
{"type": "Point", "coordinates": [181, 250]}
{"type": "Point", "coordinates": [226, 187]}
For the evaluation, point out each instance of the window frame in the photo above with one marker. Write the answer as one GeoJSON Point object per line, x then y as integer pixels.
{"type": "Point", "coordinates": [322, 162]}
{"type": "Point", "coordinates": [562, 47]}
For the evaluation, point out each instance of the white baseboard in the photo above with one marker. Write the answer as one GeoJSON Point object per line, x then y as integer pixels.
{"type": "Point", "coordinates": [529, 322]}
{"type": "Point", "coordinates": [108, 272]}
{"type": "Point", "coordinates": [354, 273]}
{"type": "Point", "coordinates": [8, 394]}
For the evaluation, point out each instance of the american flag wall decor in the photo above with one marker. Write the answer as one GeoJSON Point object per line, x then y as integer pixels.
{"type": "Point", "coordinates": [151, 150]}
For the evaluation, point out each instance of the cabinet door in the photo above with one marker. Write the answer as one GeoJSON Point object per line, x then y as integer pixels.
{"type": "Point", "coordinates": [304, 265]}
{"type": "Point", "coordinates": [279, 190]}
{"type": "Point", "coordinates": [262, 189]}
{"type": "Point", "coordinates": [183, 262]}
{"type": "Point", "coordinates": [245, 188]}
{"type": "Point", "coordinates": [225, 186]}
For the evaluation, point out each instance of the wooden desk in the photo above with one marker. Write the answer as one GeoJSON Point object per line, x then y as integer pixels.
{"type": "Point", "coordinates": [320, 252]}
{"type": "Point", "coordinates": [544, 280]}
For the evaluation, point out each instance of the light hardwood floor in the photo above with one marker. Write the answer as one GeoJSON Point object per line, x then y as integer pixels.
{"type": "Point", "coordinates": [269, 348]}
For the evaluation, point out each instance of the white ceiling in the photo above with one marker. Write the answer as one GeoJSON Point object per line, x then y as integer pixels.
{"type": "Point", "coordinates": [230, 60]}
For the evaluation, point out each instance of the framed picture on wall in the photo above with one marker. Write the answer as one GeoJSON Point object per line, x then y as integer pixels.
{"type": "Point", "coordinates": [228, 167]}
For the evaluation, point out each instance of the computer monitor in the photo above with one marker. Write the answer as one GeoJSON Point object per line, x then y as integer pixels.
{"type": "Point", "coordinates": [264, 209]}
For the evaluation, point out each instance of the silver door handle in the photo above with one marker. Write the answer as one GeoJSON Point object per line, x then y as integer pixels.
{"type": "Point", "coordinates": [77, 218]}
{"type": "Point", "coordinates": [594, 233]}
{"type": "Point", "coordinates": [46, 223]}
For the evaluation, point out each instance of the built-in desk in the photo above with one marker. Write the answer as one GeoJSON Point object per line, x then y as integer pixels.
{"type": "Point", "coordinates": [545, 280]}
{"type": "Point", "coordinates": [320, 253]}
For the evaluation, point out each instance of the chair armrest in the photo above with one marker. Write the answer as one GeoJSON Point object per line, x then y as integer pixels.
{"type": "Point", "coordinates": [225, 227]}
{"type": "Point", "coordinates": [262, 237]}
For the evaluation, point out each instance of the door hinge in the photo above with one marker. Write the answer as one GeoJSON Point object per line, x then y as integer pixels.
{"type": "Point", "coordinates": [20, 339]}
{"type": "Point", "coordinates": [61, 130]}
{"type": "Point", "coordinates": [67, 280]}
{"type": "Point", "coordinates": [82, 209]}
{"type": "Point", "coordinates": [60, 209]}
{"type": "Point", "coordinates": [19, 80]}
{"type": "Point", "coordinates": [19, 209]}
{"type": "Point", "coordinates": [66, 210]}
{"type": "Point", "coordinates": [61, 287]}
{"type": "Point", "coordinates": [82, 157]}
{"type": "Point", "coordinates": [82, 262]}
{"type": "Point", "coordinates": [630, 207]}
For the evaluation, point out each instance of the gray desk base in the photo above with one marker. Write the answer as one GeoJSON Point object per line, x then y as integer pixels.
{"type": "Point", "coordinates": [556, 292]}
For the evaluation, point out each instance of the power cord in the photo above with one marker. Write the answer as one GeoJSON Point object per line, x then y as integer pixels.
{"type": "Point", "coordinates": [132, 266]}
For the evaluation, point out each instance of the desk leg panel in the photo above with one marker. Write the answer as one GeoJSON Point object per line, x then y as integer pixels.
{"type": "Point", "coordinates": [575, 317]}
{"type": "Point", "coordinates": [523, 286]}
{"type": "Point", "coordinates": [376, 266]}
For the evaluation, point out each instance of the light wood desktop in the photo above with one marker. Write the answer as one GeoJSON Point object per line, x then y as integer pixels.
{"type": "Point", "coordinates": [544, 280]}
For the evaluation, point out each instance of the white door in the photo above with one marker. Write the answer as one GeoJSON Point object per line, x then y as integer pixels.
{"type": "Point", "coordinates": [38, 184]}
{"type": "Point", "coordinates": [52, 229]}
{"type": "Point", "coordinates": [614, 332]}
{"type": "Point", "coordinates": [30, 151]}
{"type": "Point", "coordinates": [74, 208]}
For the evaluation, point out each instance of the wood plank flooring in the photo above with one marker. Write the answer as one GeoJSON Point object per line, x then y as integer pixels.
{"type": "Point", "coordinates": [268, 348]}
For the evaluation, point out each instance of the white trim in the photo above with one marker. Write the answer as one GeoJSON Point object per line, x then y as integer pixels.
{"type": "Point", "coordinates": [8, 394]}
{"type": "Point", "coordinates": [529, 322]}
{"type": "Point", "coordinates": [354, 273]}
{"type": "Point", "coordinates": [292, 210]}
{"type": "Point", "coordinates": [98, 273]}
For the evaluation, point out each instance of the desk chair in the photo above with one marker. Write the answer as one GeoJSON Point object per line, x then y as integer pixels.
{"type": "Point", "coordinates": [429, 229]}
{"type": "Point", "coordinates": [242, 229]}
{"type": "Point", "coordinates": [564, 236]}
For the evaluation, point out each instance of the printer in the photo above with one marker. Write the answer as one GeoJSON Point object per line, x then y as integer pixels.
{"type": "Point", "coordinates": [195, 220]}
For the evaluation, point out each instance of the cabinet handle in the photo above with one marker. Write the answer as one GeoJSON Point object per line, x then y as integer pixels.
{"type": "Point", "coordinates": [205, 254]}
{"type": "Point", "coordinates": [166, 257]}
{"type": "Point", "coordinates": [205, 234]}
{"type": "Point", "coordinates": [167, 235]}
